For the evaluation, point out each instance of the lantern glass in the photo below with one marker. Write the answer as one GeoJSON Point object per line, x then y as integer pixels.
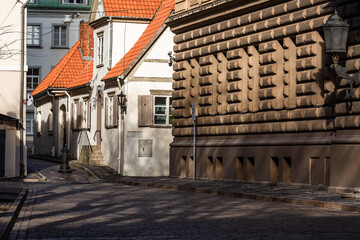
{"type": "Point", "coordinates": [335, 33]}
{"type": "Point", "coordinates": [121, 99]}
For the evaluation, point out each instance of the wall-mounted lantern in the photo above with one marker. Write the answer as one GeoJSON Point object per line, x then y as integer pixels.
{"type": "Point", "coordinates": [336, 33]}
{"type": "Point", "coordinates": [122, 101]}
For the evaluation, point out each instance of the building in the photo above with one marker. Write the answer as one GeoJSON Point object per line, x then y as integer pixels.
{"type": "Point", "coordinates": [48, 40]}
{"type": "Point", "coordinates": [12, 93]}
{"type": "Point", "coordinates": [131, 58]}
{"type": "Point", "coordinates": [268, 106]}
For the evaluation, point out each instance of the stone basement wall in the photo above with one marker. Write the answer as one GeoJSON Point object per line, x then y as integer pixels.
{"type": "Point", "coordinates": [261, 78]}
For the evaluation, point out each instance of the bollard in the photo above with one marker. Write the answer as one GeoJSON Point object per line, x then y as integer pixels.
{"type": "Point", "coordinates": [65, 168]}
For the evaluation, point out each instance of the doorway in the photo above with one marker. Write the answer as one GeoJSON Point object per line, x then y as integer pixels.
{"type": "Point", "coordinates": [98, 126]}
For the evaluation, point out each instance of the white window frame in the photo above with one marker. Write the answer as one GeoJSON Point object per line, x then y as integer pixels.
{"type": "Point", "coordinates": [61, 37]}
{"type": "Point", "coordinates": [110, 111]}
{"type": "Point", "coordinates": [168, 110]}
{"type": "Point", "coordinates": [100, 49]}
{"type": "Point", "coordinates": [30, 122]}
{"type": "Point", "coordinates": [75, 2]}
{"type": "Point", "coordinates": [85, 114]}
{"type": "Point", "coordinates": [32, 36]}
{"type": "Point", "coordinates": [74, 112]}
{"type": "Point", "coordinates": [34, 78]}
{"type": "Point", "coordinates": [38, 122]}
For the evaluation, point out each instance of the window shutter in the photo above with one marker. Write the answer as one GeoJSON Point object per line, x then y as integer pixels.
{"type": "Point", "coordinates": [106, 112]}
{"type": "Point", "coordinates": [88, 115]}
{"type": "Point", "coordinates": [115, 110]}
{"type": "Point", "coordinates": [145, 110]}
{"type": "Point", "coordinates": [79, 115]}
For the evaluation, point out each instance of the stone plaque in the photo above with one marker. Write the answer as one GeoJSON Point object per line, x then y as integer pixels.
{"type": "Point", "coordinates": [145, 147]}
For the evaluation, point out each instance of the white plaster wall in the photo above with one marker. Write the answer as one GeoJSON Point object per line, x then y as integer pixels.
{"type": "Point", "coordinates": [11, 145]}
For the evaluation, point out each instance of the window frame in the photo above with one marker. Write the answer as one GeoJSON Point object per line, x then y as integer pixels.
{"type": "Point", "coordinates": [31, 122]}
{"type": "Point", "coordinates": [168, 110]}
{"type": "Point", "coordinates": [100, 50]}
{"type": "Point", "coordinates": [32, 45]}
{"type": "Point", "coordinates": [38, 122]}
{"type": "Point", "coordinates": [32, 76]}
{"type": "Point", "coordinates": [74, 3]}
{"type": "Point", "coordinates": [54, 26]}
{"type": "Point", "coordinates": [111, 110]}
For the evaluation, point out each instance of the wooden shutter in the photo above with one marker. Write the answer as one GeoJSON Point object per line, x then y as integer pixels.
{"type": "Point", "coordinates": [88, 114]}
{"type": "Point", "coordinates": [115, 112]}
{"type": "Point", "coordinates": [145, 111]}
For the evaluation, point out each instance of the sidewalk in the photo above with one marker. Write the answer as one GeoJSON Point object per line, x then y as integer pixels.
{"type": "Point", "coordinates": [315, 196]}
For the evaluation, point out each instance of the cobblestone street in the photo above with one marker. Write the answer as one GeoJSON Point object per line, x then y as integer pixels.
{"type": "Point", "coordinates": [77, 207]}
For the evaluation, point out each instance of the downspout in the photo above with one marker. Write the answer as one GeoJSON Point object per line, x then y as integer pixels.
{"type": "Point", "coordinates": [120, 133]}
{"type": "Point", "coordinates": [22, 89]}
{"type": "Point", "coordinates": [110, 42]}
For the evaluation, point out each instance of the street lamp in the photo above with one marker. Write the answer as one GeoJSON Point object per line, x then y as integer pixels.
{"type": "Point", "coordinates": [336, 33]}
{"type": "Point", "coordinates": [122, 101]}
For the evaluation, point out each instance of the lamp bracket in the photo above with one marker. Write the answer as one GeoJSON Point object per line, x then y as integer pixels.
{"type": "Point", "coordinates": [342, 73]}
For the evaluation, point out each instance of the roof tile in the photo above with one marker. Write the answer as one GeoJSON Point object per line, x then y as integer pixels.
{"type": "Point", "coordinates": [164, 11]}
{"type": "Point", "coordinates": [132, 8]}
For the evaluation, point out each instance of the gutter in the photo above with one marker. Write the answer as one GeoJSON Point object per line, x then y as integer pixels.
{"type": "Point", "coordinates": [22, 89]}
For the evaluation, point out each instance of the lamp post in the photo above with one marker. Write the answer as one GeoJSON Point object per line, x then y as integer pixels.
{"type": "Point", "coordinates": [336, 33]}
{"type": "Point", "coordinates": [122, 103]}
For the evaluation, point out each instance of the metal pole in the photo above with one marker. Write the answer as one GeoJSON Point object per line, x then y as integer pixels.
{"type": "Point", "coordinates": [194, 151]}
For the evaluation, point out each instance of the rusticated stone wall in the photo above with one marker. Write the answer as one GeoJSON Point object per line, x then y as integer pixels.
{"type": "Point", "coordinates": [261, 69]}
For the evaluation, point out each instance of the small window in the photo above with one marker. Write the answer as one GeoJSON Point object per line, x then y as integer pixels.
{"type": "Point", "coordinates": [32, 78]}
{"type": "Point", "coordinates": [33, 35]}
{"type": "Point", "coordinates": [111, 113]}
{"type": "Point", "coordinates": [85, 114]}
{"type": "Point", "coordinates": [74, 115]}
{"type": "Point", "coordinates": [59, 36]}
{"type": "Point", "coordinates": [162, 110]}
{"type": "Point", "coordinates": [81, 2]}
{"type": "Point", "coordinates": [100, 49]}
{"type": "Point", "coordinates": [38, 122]}
{"type": "Point", "coordinates": [32, 1]}
{"type": "Point", "coordinates": [29, 123]}
{"type": "Point", "coordinates": [50, 121]}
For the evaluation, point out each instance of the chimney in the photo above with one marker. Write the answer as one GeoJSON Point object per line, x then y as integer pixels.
{"type": "Point", "coordinates": [86, 39]}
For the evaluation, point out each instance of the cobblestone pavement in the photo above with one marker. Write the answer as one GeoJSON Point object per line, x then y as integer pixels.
{"type": "Point", "coordinates": [77, 207]}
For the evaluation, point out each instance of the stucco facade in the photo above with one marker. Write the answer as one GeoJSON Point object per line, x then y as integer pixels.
{"type": "Point", "coordinates": [268, 106]}
{"type": "Point", "coordinates": [12, 92]}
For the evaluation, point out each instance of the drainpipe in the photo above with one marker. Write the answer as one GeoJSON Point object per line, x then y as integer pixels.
{"type": "Point", "coordinates": [110, 42]}
{"type": "Point", "coordinates": [120, 133]}
{"type": "Point", "coordinates": [22, 72]}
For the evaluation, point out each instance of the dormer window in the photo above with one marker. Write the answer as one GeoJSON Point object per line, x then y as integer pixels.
{"type": "Point", "coordinates": [81, 2]}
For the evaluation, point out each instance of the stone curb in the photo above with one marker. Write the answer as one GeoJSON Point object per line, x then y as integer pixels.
{"type": "Point", "coordinates": [85, 169]}
{"type": "Point", "coordinates": [252, 196]}
{"type": "Point", "coordinates": [8, 221]}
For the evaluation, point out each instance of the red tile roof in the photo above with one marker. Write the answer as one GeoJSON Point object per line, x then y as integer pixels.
{"type": "Point", "coordinates": [85, 75]}
{"type": "Point", "coordinates": [65, 72]}
{"type": "Point", "coordinates": [131, 8]}
{"type": "Point", "coordinates": [164, 11]}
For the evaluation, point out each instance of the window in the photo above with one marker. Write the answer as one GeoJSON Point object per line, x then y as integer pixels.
{"type": "Point", "coordinates": [111, 114]}
{"type": "Point", "coordinates": [33, 35]}
{"type": "Point", "coordinates": [59, 36]}
{"type": "Point", "coordinates": [86, 114]}
{"type": "Point", "coordinates": [38, 122]}
{"type": "Point", "coordinates": [100, 49]}
{"type": "Point", "coordinates": [74, 115]}
{"type": "Point", "coordinates": [32, 1]}
{"type": "Point", "coordinates": [50, 121]}
{"type": "Point", "coordinates": [32, 78]}
{"type": "Point", "coordinates": [29, 123]}
{"type": "Point", "coordinates": [82, 2]}
{"type": "Point", "coordinates": [162, 110]}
